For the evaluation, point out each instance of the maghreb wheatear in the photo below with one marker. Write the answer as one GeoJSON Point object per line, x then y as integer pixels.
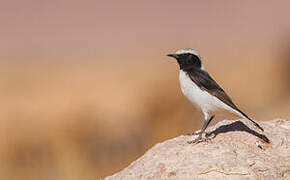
{"type": "Point", "coordinates": [198, 86]}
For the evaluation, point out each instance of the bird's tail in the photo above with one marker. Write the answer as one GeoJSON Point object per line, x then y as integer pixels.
{"type": "Point", "coordinates": [256, 124]}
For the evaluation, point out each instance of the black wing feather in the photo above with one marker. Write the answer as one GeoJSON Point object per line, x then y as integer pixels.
{"type": "Point", "coordinates": [203, 80]}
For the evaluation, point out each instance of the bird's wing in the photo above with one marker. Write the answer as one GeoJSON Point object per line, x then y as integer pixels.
{"type": "Point", "coordinates": [203, 80]}
{"type": "Point", "coordinates": [206, 83]}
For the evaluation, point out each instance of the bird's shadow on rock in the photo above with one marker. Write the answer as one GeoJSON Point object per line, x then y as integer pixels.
{"type": "Point", "coordinates": [237, 126]}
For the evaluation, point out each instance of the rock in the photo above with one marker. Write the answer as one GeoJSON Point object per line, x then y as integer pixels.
{"type": "Point", "coordinates": [235, 151]}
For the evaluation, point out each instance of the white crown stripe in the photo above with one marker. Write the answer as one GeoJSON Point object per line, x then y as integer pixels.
{"type": "Point", "coordinates": [187, 50]}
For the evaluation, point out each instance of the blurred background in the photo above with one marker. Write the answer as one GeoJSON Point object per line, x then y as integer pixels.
{"type": "Point", "coordinates": [86, 86]}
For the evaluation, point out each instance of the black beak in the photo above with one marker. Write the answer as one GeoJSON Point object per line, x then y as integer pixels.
{"type": "Point", "coordinates": [173, 55]}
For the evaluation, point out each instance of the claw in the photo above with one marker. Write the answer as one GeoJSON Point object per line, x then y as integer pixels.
{"type": "Point", "coordinates": [194, 133]}
{"type": "Point", "coordinates": [199, 139]}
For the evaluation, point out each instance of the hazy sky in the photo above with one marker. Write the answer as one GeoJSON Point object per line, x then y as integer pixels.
{"type": "Point", "coordinates": [59, 29]}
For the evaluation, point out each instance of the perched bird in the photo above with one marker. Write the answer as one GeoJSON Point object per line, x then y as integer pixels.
{"type": "Point", "coordinates": [197, 85]}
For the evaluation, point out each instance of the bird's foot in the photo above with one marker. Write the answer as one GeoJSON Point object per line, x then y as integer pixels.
{"type": "Point", "coordinates": [195, 133]}
{"type": "Point", "coordinates": [199, 139]}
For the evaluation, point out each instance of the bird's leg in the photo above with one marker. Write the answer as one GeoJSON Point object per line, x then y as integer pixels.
{"type": "Point", "coordinates": [205, 124]}
{"type": "Point", "coordinates": [199, 138]}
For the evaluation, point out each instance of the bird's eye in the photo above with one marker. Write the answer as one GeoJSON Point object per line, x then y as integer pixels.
{"type": "Point", "coordinates": [188, 59]}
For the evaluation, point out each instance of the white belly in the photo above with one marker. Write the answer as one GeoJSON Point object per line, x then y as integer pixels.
{"type": "Point", "coordinates": [201, 98]}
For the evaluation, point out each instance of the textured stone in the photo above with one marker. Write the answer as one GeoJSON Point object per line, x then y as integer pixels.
{"type": "Point", "coordinates": [237, 150]}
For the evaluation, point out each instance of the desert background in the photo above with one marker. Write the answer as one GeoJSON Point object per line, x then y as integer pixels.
{"type": "Point", "coordinates": [86, 86]}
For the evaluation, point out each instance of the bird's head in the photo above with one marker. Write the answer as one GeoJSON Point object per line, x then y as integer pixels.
{"type": "Point", "coordinates": [187, 58]}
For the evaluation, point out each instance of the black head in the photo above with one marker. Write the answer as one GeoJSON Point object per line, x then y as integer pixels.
{"type": "Point", "coordinates": [187, 59]}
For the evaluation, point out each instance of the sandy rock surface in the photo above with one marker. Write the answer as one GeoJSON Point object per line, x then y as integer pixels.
{"type": "Point", "coordinates": [237, 150]}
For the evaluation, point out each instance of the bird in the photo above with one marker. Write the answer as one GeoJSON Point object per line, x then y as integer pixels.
{"type": "Point", "coordinates": [202, 90]}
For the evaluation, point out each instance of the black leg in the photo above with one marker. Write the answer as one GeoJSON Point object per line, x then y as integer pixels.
{"type": "Point", "coordinates": [206, 123]}
{"type": "Point", "coordinates": [199, 138]}
{"type": "Point", "coordinates": [204, 126]}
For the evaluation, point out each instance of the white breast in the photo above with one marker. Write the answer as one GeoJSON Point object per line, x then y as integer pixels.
{"type": "Point", "coordinates": [201, 98]}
